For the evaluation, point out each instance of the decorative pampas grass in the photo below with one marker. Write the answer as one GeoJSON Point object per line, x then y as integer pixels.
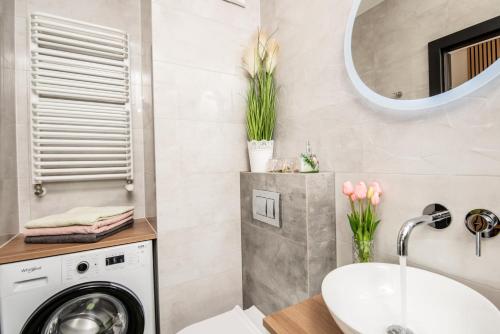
{"type": "Point", "coordinates": [272, 50]}
{"type": "Point", "coordinates": [259, 61]}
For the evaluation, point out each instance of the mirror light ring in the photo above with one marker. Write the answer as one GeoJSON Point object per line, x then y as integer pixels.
{"type": "Point", "coordinates": [428, 103]}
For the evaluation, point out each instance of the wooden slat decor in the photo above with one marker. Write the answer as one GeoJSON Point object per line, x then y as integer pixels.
{"type": "Point", "coordinates": [481, 56]}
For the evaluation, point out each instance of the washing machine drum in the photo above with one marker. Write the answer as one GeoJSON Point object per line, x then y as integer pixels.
{"type": "Point", "coordinates": [96, 313]}
{"type": "Point", "coordinates": [91, 308]}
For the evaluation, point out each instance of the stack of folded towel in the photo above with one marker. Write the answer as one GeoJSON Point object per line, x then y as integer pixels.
{"type": "Point", "coordinates": [83, 224]}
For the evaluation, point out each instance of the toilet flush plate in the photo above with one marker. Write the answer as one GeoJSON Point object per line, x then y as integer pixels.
{"type": "Point", "coordinates": [266, 207]}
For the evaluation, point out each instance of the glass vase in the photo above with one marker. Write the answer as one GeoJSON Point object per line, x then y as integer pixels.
{"type": "Point", "coordinates": [362, 250]}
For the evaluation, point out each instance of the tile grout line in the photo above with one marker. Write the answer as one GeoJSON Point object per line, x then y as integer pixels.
{"type": "Point", "coordinates": [307, 237]}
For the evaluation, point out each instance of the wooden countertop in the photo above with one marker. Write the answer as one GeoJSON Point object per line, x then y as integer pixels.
{"type": "Point", "coordinates": [17, 250]}
{"type": "Point", "coordinates": [309, 317]}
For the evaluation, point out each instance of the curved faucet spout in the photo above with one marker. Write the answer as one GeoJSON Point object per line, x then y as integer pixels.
{"type": "Point", "coordinates": [435, 215]}
{"type": "Point", "coordinates": [405, 232]}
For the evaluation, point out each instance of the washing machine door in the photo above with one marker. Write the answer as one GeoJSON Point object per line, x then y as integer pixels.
{"type": "Point", "coordinates": [89, 308]}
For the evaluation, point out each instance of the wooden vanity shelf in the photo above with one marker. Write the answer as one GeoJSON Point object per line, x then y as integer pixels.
{"type": "Point", "coordinates": [309, 317]}
{"type": "Point", "coordinates": [16, 250]}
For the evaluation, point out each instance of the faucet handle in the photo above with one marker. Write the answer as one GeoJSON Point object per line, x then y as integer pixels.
{"type": "Point", "coordinates": [483, 224]}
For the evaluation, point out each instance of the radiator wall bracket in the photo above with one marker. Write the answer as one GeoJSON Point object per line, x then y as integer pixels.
{"type": "Point", "coordinates": [40, 190]}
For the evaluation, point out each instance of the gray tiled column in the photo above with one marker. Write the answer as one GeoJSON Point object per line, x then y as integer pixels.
{"type": "Point", "coordinates": [282, 266]}
{"type": "Point", "coordinates": [9, 213]}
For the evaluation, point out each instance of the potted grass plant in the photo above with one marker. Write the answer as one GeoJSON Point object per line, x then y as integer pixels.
{"type": "Point", "coordinates": [259, 61]}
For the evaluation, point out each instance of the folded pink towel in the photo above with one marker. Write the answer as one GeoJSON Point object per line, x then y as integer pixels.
{"type": "Point", "coordinates": [98, 227]}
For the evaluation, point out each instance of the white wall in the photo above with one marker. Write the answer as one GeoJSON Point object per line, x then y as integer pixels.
{"type": "Point", "coordinates": [120, 14]}
{"type": "Point", "coordinates": [200, 140]}
{"type": "Point", "coordinates": [451, 156]}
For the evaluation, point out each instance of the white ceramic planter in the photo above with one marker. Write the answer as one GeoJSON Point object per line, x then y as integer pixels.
{"type": "Point", "coordinates": [260, 152]}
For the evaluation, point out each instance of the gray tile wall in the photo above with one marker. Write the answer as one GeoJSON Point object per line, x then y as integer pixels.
{"type": "Point", "coordinates": [147, 111]}
{"type": "Point", "coordinates": [8, 174]}
{"type": "Point", "coordinates": [282, 266]}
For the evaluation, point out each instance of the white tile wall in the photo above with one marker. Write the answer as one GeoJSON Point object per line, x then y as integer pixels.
{"type": "Point", "coordinates": [200, 140]}
{"type": "Point", "coordinates": [450, 251]}
{"type": "Point", "coordinates": [451, 156]}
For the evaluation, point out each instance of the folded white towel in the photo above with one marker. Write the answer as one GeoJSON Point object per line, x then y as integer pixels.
{"type": "Point", "coordinates": [79, 216]}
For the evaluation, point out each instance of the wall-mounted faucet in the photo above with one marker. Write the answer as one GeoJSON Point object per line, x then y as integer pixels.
{"type": "Point", "coordinates": [434, 215]}
{"type": "Point", "coordinates": [483, 224]}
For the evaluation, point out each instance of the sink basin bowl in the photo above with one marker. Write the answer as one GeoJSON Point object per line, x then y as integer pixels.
{"type": "Point", "coordinates": [365, 298]}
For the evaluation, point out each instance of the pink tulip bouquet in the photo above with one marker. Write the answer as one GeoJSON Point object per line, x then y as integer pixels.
{"type": "Point", "coordinates": [363, 217]}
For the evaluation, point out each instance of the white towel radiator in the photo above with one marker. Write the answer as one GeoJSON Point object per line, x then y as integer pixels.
{"type": "Point", "coordinates": [81, 127]}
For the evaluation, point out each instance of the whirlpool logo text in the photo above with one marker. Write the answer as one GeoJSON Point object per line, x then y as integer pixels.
{"type": "Point", "coordinates": [31, 269]}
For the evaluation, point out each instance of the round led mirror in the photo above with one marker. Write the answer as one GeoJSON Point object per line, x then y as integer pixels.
{"type": "Point", "coordinates": [414, 55]}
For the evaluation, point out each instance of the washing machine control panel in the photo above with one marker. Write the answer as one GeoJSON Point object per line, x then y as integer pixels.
{"type": "Point", "coordinates": [117, 259]}
{"type": "Point", "coordinates": [92, 265]}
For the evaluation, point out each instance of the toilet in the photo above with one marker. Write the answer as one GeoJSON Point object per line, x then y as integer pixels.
{"type": "Point", "coordinates": [231, 322]}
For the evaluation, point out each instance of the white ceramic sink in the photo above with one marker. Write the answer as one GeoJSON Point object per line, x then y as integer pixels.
{"type": "Point", "coordinates": [365, 298]}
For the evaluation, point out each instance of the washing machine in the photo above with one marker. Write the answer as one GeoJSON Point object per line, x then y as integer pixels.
{"type": "Point", "coordinates": [103, 291]}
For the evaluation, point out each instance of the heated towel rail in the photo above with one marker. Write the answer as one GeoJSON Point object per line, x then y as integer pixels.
{"type": "Point", "coordinates": [81, 127]}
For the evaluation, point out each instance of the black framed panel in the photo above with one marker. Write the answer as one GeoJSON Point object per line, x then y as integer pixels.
{"type": "Point", "coordinates": [438, 48]}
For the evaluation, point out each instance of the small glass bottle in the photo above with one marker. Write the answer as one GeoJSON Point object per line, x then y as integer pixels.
{"type": "Point", "coordinates": [308, 161]}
